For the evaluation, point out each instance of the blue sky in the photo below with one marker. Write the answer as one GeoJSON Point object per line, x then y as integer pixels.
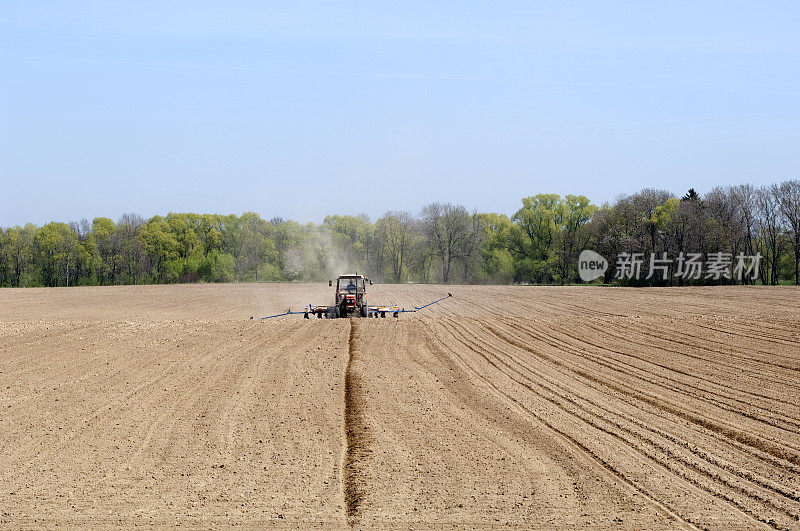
{"type": "Point", "coordinates": [299, 109]}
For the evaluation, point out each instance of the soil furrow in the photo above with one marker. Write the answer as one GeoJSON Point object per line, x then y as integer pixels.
{"type": "Point", "coordinates": [355, 443]}
{"type": "Point", "coordinates": [786, 423]}
{"type": "Point", "coordinates": [568, 393]}
{"type": "Point", "coordinates": [770, 447]}
{"type": "Point", "coordinates": [612, 427]}
{"type": "Point", "coordinates": [604, 464]}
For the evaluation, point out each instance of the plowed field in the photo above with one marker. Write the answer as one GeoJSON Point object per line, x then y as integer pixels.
{"type": "Point", "coordinates": [531, 407]}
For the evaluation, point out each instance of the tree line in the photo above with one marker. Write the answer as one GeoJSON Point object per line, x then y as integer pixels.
{"type": "Point", "coordinates": [538, 244]}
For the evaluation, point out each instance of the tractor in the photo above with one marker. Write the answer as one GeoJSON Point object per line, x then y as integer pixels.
{"type": "Point", "coordinates": [351, 297]}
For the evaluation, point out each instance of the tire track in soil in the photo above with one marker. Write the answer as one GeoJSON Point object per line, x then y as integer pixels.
{"type": "Point", "coordinates": [440, 349]}
{"type": "Point", "coordinates": [593, 417]}
{"type": "Point", "coordinates": [773, 448]}
{"type": "Point", "coordinates": [464, 335]}
{"type": "Point", "coordinates": [631, 340]}
{"type": "Point", "coordinates": [745, 474]}
{"type": "Point", "coordinates": [356, 445]}
{"type": "Point", "coordinates": [716, 399]}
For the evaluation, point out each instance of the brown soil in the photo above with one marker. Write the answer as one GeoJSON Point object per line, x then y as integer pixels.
{"type": "Point", "coordinates": [531, 407]}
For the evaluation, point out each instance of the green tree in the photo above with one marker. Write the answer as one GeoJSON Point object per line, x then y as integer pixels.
{"type": "Point", "coordinates": [57, 254]}
{"type": "Point", "coordinates": [573, 213]}
{"type": "Point", "coordinates": [533, 235]}
{"type": "Point", "coordinates": [217, 267]}
{"type": "Point", "coordinates": [104, 235]}
{"type": "Point", "coordinates": [163, 249]}
{"type": "Point", "coordinates": [498, 261]}
{"type": "Point", "coordinates": [19, 255]}
{"type": "Point", "coordinates": [348, 239]}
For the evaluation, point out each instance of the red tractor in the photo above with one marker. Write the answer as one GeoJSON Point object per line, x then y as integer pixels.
{"type": "Point", "coordinates": [351, 297]}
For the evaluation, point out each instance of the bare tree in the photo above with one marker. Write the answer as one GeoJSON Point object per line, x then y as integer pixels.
{"type": "Point", "coordinates": [81, 228]}
{"type": "Point", "coordinates": [745, 197]}
{"type": "Point", "coordinates": [788, 197]}
{"type": "Point", "coordinates": [133, 255]}
{"type": "Point", "coordinates": [447, 227]}
{"type": "Point", "coordinates": [728, 227]}
{"type": "Point", "coordinates": [395, 230]}
{"type": "Point", "coordinates": [471, 244]}
{"type": "Point", "coordinates": [644, 205]}
{"type": "Point", "coordinates": [769, 226]}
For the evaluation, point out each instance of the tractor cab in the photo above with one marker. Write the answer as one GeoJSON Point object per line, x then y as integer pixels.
{"type": "Point", "coordinates": [351, 294]}
{"type": "Point", "coordinates": [351, 284]}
